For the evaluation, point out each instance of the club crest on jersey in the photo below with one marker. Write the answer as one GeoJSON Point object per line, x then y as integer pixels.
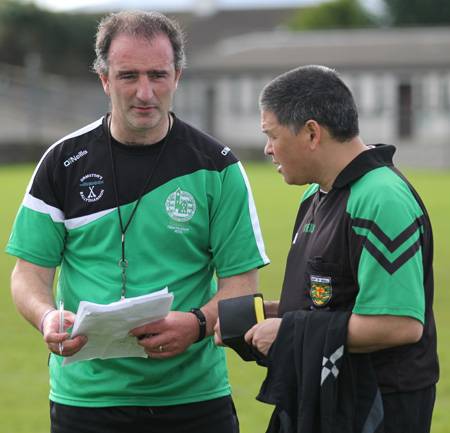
{"type": "Point", "coordinates": [321, 290]}
{"type": "Point", "coordinates": [91, 187]}
{"type": "Point", "coordinates": [181, 207]}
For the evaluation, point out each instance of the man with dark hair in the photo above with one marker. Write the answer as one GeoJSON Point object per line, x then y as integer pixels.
{"type": "Point", "coordinates": [137, 201]}
{"type": "Point", "coordinates": [362, 245]}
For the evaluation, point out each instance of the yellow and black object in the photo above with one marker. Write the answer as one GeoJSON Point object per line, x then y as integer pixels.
{"type": "Point", "coordinates": [237, 316]}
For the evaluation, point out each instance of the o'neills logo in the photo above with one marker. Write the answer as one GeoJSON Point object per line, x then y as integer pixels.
{"type": "Point", "coordinates": [75, 158]}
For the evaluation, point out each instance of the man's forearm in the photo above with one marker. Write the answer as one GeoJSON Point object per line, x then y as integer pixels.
{"type": "Point", "coordinates": [31, 289]}
{"type": "Point", "coordinates": [271, 309]}
{"type": "Point", "coordinates": [371, 333]}
{"type": "Point", "coordinates": [229, 287]}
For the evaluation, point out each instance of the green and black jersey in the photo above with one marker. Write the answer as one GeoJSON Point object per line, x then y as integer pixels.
{"type": "Point", "coordinates": [196, 219]}
{"type": "Point", "coordinates": [367, 247]}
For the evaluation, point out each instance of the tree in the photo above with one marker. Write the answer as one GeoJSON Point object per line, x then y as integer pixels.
{"type": "Point", "coordinates": [331, 15]}
{"type": "Point", "coordinates": [418, 12]}
{"type": "Point", "coordinates": [64, 42]}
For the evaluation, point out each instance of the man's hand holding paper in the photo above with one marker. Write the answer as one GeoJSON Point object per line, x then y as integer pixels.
{"type": "Point", "coordinates": [107, 327]}
{"type": "Point", "coordinates": [168, 337]}
{"type": "Point", "coordinates": [53, 336]}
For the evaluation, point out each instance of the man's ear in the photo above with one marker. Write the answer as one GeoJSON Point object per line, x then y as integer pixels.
{"type": "Point", "coordinates": [177, 77]}
{"type": "Point", "coordinates": [105, 83]}
{"type": "Point", "coordinates": [314, 133]}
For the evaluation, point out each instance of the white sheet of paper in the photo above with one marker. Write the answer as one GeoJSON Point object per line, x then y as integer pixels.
{"type": "Point", "coordinates": [107, 326]}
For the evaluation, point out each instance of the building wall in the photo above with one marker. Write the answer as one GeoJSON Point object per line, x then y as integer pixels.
{"type": "Point", "coordinates": [410, 109]}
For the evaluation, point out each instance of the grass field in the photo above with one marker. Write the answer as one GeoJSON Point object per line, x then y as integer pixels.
{"type": "Point", "coordinates": [23, 364]}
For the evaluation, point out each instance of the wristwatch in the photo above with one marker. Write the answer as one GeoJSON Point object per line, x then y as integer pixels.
{"type": "Point", "coordinates": [201, 321]}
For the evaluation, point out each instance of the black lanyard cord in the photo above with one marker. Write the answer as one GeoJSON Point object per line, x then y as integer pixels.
{"type": "Point", "coordinates": [123, 263]}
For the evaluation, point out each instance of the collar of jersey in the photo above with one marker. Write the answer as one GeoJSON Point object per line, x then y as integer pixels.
{"type": "Point", "coordinates": [380, 156]}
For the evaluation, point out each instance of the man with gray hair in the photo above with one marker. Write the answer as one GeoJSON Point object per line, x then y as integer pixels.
{"type": "Point", "coordinates": [147, 202]}
{"type": "Point", "coordinates": [362, 250]}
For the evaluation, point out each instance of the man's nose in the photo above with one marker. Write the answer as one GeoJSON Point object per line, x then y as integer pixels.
{"type": "Point", "coordinates": [145, 89]}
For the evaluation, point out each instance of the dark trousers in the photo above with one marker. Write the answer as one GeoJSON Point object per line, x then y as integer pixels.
{"type": "Point", "coordinates": [211, 416]}
{"type": "Point", "coordinates": [409, 412]}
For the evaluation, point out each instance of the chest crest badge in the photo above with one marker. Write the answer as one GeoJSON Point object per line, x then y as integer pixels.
{"type": "Point", "coordinates": [321, 290]}
{"type": "Point", "coordinates": [91, 187]}
{"type": "Point", "coordinates": [181, 208]}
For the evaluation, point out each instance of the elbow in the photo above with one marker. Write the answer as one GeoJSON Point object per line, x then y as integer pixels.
{"type": "Point", "coordinates": [408, 331]}
{"type": "Point", "coordinates": [372, 333]}
{"type": "Point", "coordinates": [415, 331]}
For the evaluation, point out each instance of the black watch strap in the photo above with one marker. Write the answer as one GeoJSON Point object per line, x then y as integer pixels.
{"type": "Point", "coordinates": [201, 321]}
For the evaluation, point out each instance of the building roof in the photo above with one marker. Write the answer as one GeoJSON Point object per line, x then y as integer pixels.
{"type": "Point", "coordinates": [393, 48]}
{"type": "Point", "coordinates": [205, 30]}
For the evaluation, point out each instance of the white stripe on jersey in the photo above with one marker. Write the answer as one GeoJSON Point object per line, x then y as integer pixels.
{"type": "Point", "coordinates": [58, 216]}
{"type": "Point", "coordinates": [75, 223]}
{"type": "Point", "coordinates": [254, 217]}
{"type": "Point", "coordinates": [38, 205]}
{"type": "Point", "coordinates": [81, 131]}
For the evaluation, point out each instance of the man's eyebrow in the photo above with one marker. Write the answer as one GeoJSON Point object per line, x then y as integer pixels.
{"type": "Point", "coordinates": [150, 72]}
{"type": "Point", "coordinates": [126, 71]}
{"type": "Point", "coordinates": [158, 72]}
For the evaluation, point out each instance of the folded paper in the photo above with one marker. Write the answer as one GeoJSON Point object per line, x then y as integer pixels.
{"type": "Point", "coordinates": [107, 326]}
